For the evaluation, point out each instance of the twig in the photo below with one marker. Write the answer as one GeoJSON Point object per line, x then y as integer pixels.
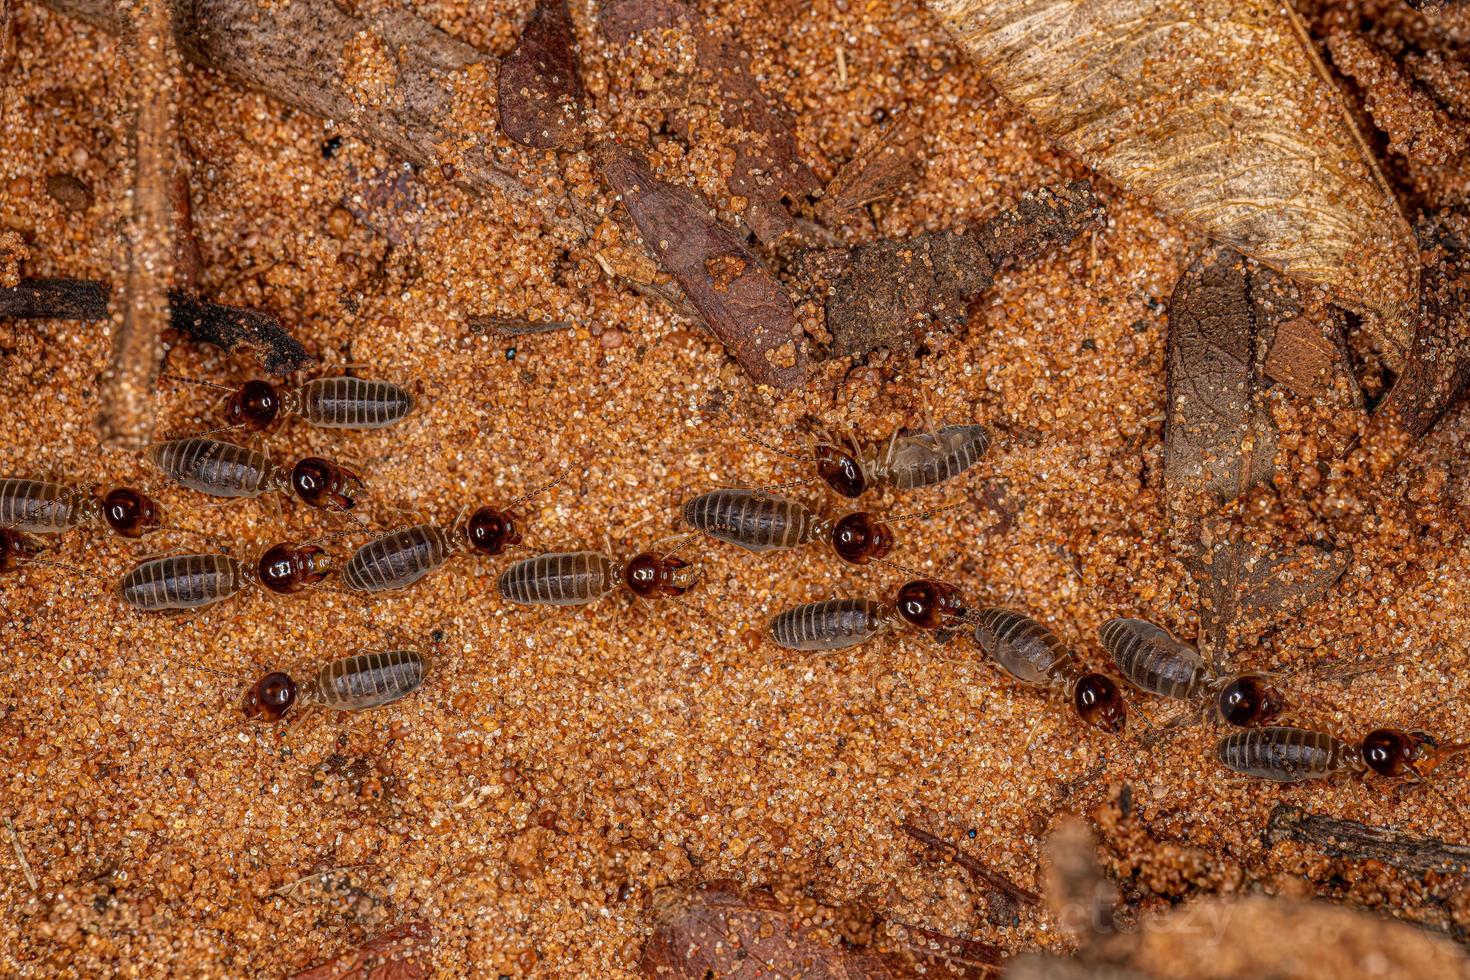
{"type": "Point", "coordinates": [226, 327]}
{"type": "Point", "coordinates": [127, 408]}
{"type": "Point", "coordinates": [1359, 841]}
{"type": "Point", "coordinates": [20, 855]}
{"type": "Point", "coordinates": [506, 326]}
{"type": "Point", "coordinates": [971, 864]}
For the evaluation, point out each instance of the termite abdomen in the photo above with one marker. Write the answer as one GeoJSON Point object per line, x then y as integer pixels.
{"type": "Point", "coordinates": [38, 506]}
{"type": "Point", "coordinates": [220, 469]}
{"type": "Point", "coordinates": [368, 680]}
{"type": "Point", "coordinates": [751, 519]}
{"type": "Point", "coordinates": [1152, 660]}
{"type": "Point", "coordinates": [1286, 755]}
{"type": "Point", "coordinates": [1020, 645]}
{"type": "Point", "coordinates": [832, 624]}
{"type": "Point", "coordinates": [352, 403]}
{"type": "Point", "coordinates": [571, 578]}
{"type": "Point", "coordinates": [181, 582]}
{"type": "Point", "coordinates": [925, 460]}
{"type": "Point", "coordinates": [397, 560]}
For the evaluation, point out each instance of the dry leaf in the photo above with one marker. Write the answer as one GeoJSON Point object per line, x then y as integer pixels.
{"type": "Point", "coordinates": [887, 160]}
{"type": "Point", "coordinates": [721, 931]}
{"type": "Point", "coordinates": [540, 85]}
{"type": "Point", "coordinates": [1221, 441]}
{"type": "Point", "coordinates": [1222, 114]}
{"type": "Point", "coordinates": [398, 954]}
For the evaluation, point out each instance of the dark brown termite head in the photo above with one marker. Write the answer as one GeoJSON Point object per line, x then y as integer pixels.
{"type": "Point", "coordinates": [841, 471]}
{"type": "Point", "coordinates": [255, 406]}
{"type": "Point", "coordinates": [649, 575]}
{"type": "Point", "coordinates": [16, 548]}
{"type": "Point", "coordinates": [1391, 752]}
{"type": "Point", "coordinates": [1099, 703]}
{"type": "Point", "coordinates": [929, 605]}
{"type": "Point", "coordinates": [288, 568]}
{"type": "Point", "coordinates": [860, 537]}
{"type": "Point", "coordinates": [269, 698]}
{"type": "Point", "coordinates": [492, 532]}
{"type": "Point", "coordinates": [323, 483]}
{"type": "Point", "coordinates": [1249, 700]}
{"type": "Point", "coordinates": [129, 513]}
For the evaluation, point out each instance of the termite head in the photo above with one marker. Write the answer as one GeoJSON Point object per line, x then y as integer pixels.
{"type": "Point", "coordinates": [929, 605]}
{"type": "Point", "coordinates": [288, 568]}
{"type": "Point", "coordinates": [860, 537]}
{"type": "Point", "coordinates": [649, 575]}
{"type": "Point", "coordinates": [255, 406]}
{"type": "Point", "coordinates": [16, 548]}
{"type": "Point", "coordinates": [1099, 702]}
{"type": "Point", "coordinates": [1391, 752]}
{"type": "Point", "coordinates": [841, 470]}
{"type": "Point", "coordinates": [323, 483]}
{"type": "Point", "coordinates": [129, 513]}
{"type": "Point", "coordinates": [491, 532]}
{"type": "Point", "coordinates": [1248, 700]}
{"type": "Point", "coordinates": [270, 697]}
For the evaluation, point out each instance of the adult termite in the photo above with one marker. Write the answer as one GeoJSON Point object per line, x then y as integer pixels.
{"type": "Point", "coordinates": [1152, 660]}
{"type": "Point", "coordinates": [47, 507]}
{"type": "Point", "coordinates": [761, 522]}
{"type": "Point", "coordinates": [904, 462]}
{"type": "Point", "coordinates": [223, 469]}
{"type": "Point", "coordinates": [342, 402]}
{"type": "Point", "coordinates": [352, 683]}
{"type": "Point", "coordinates": [1292, 755]}
{"type": "Point", "coordinates": [576, 578]}
{"type": "Point", "coordinates": [184, 582]}
{"type": "Point", "coordinates": [835, 624]}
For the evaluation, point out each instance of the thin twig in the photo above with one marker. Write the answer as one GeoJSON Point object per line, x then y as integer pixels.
{"type": "Point", "coordinates": [507, 326]}
{"type": "Point", "coordinates": [972, 864]}
{"type": "Point", "coordinates": [20, 855]}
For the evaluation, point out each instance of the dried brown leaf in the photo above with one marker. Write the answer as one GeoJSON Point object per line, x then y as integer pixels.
{"type": "Point", "coordinates": [539, 91]}
{"type": "Point", "coordinates": [1221, 441]}
{"type": "Point", "coordinates": [1222, 114]}
{"type": "Point", "coordinates": [743, 304]}
{"type": "Point", "coordinates": [887, 160]}
{"type": "Point", "coordinates": [720, 931]}
{"type": "Point", "coordinates": [401, 953]}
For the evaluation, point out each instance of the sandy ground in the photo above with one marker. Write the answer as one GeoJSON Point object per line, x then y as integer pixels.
{"type": "Point", "coordinates": [559, 766]}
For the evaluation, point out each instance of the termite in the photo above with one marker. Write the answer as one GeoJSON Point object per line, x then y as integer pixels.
{"type": "Point", "coordinates": [576, 578]}
{"type": "Point", "coordinates": [1033, 654]}
{"type": "Point", "coordinates": [1295, 755]}
{"type": "Point", "coordinates": [180, 583]}
{"type": "Point", "coordinates": [835, 624]}
{"type": "Point", "coordinates": [327, 403]}
{"type": "Point", "coordinates": [223, 469]}
{"type": "Point", "coordinates": [45, 507]}
{"type": "Point", "coordinates": [352, 683]}
{"type": "Point", "coordinates": [761, 522]}
{"type": "Point", "coordinates": [1152, 660]}
{"type": "Point", "coordinates": [401, 557]}
{"type": "Point", "coordinates": [904, 462]}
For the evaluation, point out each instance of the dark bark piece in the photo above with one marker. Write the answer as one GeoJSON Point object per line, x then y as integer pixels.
{"type": "Point", "coordinates": [540, 85]}
{"type": "Point", "coordinates": [767, 167]}
{"type": "Point", "coordinates": [721, 930]}
{"type": "Point", "coordinates": [401, 953]}
{"type": "Point", "coordinates": [1220, 443]}
{"type": "Point", "coordinates": [744, 305]}
{"type": "Point", "coordinates": [226, 327]}
{"type": "Point", "coordinates": [881, 293]}
{"type": "Point", "coordinates": [504, 326]}
{"type": "Point", "coordinates": [1362, 842]}
{"type": "Point", "coordinates": [1437, 373]}
{"type": "Point", "coordinates": [887, 160]}
{"type": "Point", "coordinates": [993, 880]}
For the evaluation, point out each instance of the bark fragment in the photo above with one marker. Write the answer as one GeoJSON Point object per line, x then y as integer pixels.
{"type": "Point", "coordinates": [540, 84]}
{"type": "Point", "coordinates": [744, 305]}
{"type": "Point", "coordinates": [1362, 842]}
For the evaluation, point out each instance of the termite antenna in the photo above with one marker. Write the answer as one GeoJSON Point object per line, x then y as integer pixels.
{"type": "Point", "coordinates": [682, 540]}
{"type": "Point", "coordinates": [902, 568]}
{"type": "Point", "coordinates": [777, 486]}
{"type": "Point", "coordinates": [917, 515]}
{"type": "Point", "coordinates": [539, 490]}
{"type": "Point", "coordinates": [194, 381]}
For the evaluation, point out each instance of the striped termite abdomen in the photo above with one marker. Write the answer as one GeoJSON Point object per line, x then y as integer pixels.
{"type": "Point", "coordinates": [350, 403]}
{"type": "Point", "coordinates": [1152, 660]}
{"type": "Point", "coordinates": [751, 519]}
{"type": "Point", "coordinates": [220, 469]}
{"type": "Point", "coordinates": [570, 578]}
{"type": "Point", "coordinates": [829, 625]}
{"type": "Point", "coordinates": [1287, 755]}
{"type": "Point", "coordinates": [397, 560]}
{"type": "Point", "coordinates": [367, 680]}
{"type": "Point", "coordinates": [40, 506]}
{"type": "Point", "coordinates": [182, 582]}
{"type": "Point", "coordinates": [911, 462]}
{"type": "Point", "coordinates": [1023, 647]}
